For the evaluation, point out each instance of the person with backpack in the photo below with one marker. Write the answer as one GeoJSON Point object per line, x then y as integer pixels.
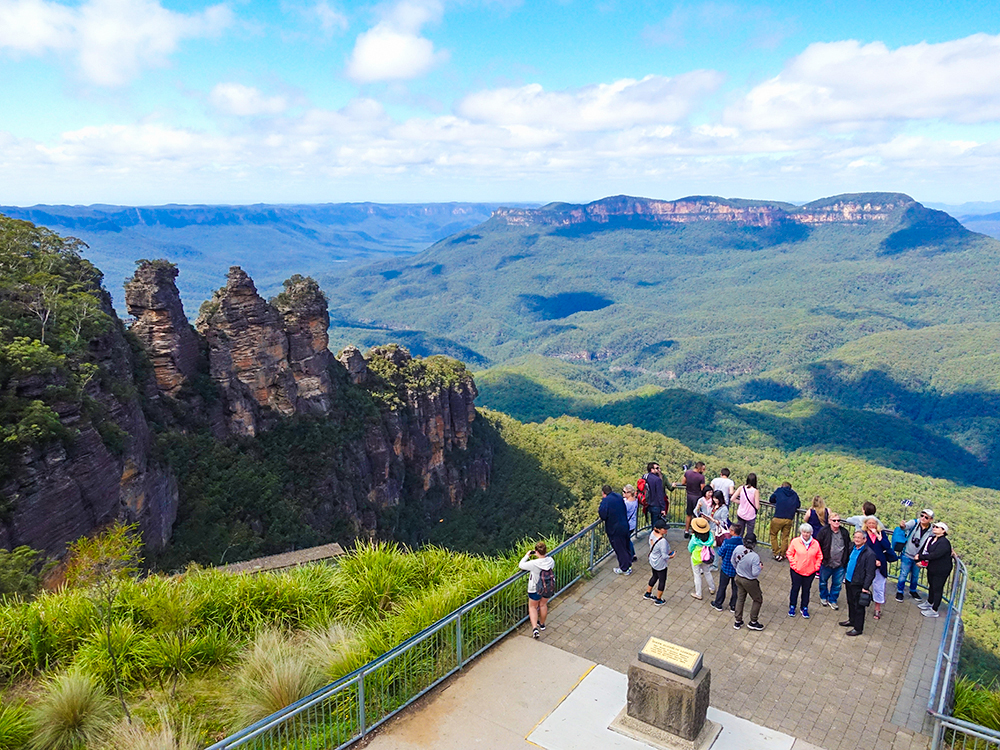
{"type": "Point", "coordinates": [702, 555]}
{"type": "Point", "coordinates": [659, 555]}
{"type": "Point", "coordinates": [914, 533]}
{"type": "Point", "coordinates": [541, 585]}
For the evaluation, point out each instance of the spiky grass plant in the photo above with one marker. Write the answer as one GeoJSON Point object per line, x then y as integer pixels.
{"type": "Point", "coordinates": [273, 673]}
{"type": "Point", "coordinates": [166, 734]}
{"type": "Point", "coordinates": [14, 727]}
{"type": "Point", "coordinates": [978, 704]}
{"type": "Point", "coordinates": [74, 712]}
{"type": "Point", "coordinates": [128, 666]}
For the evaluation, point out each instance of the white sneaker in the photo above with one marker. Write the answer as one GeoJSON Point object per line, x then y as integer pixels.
{"type": "Point", "coordinates": [924, 605]}
{"type": "Point", "coordinates": [618, 571]}
{"type": "Point", "coordinates": [834, 605]}
{"type": "Point", "coordinates": [628, 572]}
{"type": "Point", "coordinates": [930, 613]}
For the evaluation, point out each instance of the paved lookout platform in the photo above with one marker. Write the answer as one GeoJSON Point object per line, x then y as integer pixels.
{"type": "Point", "coordinates": [798, 683]}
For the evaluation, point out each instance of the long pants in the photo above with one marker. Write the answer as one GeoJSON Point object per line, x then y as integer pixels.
{"type": "Point", "coordinates": [748, 526]}
{"type": "Point", "coordinates": [659, 577]}
{"type": "Point", "coordinates": [782, 526]}
{"type": "Point", "coordinates": [835, 578]}
{"type": "Point", "coordinates": [619, 543]}
{"type": "Point", "coordinates": [720, 594]}
{"type": "Point", "coordinates": [803, 583]}
{"type": "Point", "coordinates": [855, 612]}
{"type": "Point", "coordinates": [935, 588]}
{"type": "Point", "coordinates": [748, 587]}
{"type": "Point", "coordinates": [908, 568]}
{"type": "Point", "coordinates": [702, 569]}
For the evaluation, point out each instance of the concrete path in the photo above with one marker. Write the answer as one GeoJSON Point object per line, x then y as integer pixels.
{"type": "Point", "coordinates": [801, 677]}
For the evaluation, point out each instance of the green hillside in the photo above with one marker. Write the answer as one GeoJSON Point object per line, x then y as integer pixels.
{"type": "Point", "coordinates": [697, 305]}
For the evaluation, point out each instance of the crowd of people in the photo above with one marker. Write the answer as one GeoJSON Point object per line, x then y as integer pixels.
{"type": "Point", "coordinates": [822, 548]}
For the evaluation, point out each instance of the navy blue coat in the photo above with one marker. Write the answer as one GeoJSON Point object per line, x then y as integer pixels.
{"type": "Point", "coordinates": [612, 511]}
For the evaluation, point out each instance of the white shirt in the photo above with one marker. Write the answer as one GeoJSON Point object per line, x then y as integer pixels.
{"type": "Point", "coordinates": [725, 485]}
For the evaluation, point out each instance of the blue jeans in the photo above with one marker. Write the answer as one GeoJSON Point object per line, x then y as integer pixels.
{"type": "Point", "coordinates": [834, 577]}
{"type": "Point", "coordinates": [907, 568]}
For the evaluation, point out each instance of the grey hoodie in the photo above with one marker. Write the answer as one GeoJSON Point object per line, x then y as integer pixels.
{"type": "Point", "coordinates": [746, 562]}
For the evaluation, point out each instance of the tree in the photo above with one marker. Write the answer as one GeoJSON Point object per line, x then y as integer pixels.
{"type": "Point", "coordinates": [103, 564]}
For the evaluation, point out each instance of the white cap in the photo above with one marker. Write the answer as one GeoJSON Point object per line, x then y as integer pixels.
{"type": "Point", "coordinates": [928, 512]}
{"type": "Point", "coordinates": [942, 525]}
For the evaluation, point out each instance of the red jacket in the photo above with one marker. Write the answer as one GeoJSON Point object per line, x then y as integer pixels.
{"type": "Point", "coordinates": [804, 561]}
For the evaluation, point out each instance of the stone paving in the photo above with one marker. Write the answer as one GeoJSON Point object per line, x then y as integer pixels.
{"type": "Point", "coordinates": [801, 677]}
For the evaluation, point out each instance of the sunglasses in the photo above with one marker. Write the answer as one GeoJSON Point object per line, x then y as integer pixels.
{"type": "Point", "coordinates": [924, 515]}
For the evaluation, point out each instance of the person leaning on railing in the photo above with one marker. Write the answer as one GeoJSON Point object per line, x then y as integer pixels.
{"type": "Point", "coordinates": [786, 504]}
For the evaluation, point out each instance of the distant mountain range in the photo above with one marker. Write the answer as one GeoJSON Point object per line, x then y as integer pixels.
{"type": "Point", "coordinates": [269, 241]}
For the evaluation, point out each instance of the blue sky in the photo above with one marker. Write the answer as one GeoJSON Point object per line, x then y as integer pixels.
{"type": "Point", "coordinates": [156, 101]}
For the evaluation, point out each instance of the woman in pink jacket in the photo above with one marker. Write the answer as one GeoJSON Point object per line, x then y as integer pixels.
{"type": "Point", "coordinates": [804, 560]}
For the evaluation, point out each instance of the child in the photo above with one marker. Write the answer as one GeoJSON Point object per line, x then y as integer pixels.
{"type": "Point", "coordinates": [659, 554]}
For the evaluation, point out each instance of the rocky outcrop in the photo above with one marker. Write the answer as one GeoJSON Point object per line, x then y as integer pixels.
{"type": "Point", "coordinates": [306, 320]}
{"type": "Point", "coordinates": [161, 326]}
{"type": "Point", "coordinates": [846, 209]}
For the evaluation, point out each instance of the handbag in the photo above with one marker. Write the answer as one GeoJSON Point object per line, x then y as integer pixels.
{"type": "Point", "coordinates": [706, 554]}
{"type": "Point", "coordinates": [864, 599]}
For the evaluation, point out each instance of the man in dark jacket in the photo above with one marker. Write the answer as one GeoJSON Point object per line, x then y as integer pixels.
{"type": "Point", "coordinates": [656, 498]}
{"type": "Point", "coordinates": [860, 574]}
{"type": "Point", "coordinates": [615, 516]}
{"type": "Point", "coordinates": [835, 543]}
{"type": "Point", "coordinates": [786, 503]}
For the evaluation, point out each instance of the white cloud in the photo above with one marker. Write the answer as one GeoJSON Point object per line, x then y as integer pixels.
{"type": "Point", "coordinates": [604, 106]}
{"type": "Point", "coordinates": [245, 101]}
{"type": "Point", "coordinates": [330, 19]}
{"type": "Point", "coordinates": [112, 40]}
{"type": "Point", "coordinates": [394, 50]}
{"type": "Point", "coordinates": [852, 85]}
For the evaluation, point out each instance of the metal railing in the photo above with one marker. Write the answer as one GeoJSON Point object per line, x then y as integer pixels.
{"type": "Point", "coordinates": [347, 710]}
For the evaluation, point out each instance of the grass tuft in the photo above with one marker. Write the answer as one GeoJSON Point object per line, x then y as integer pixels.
{"type": "Point", "coordinates": [166, 735]}
{"type": "Point", "coordinates": [15, 727]}
{"type": "Point", "coordinates": [73, 713]}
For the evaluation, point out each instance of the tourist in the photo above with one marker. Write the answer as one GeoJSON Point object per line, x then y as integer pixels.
{"type": "Point", "coordinates": [656, 498]}
{"type": "Point", "coordinates": [936, 553]}
{"type": "Point", "coordinates": [749, 503]}
{"type": "Point", "coordinates": [860, 577]}
{"type": "Point", "coordinates": [535, 561]}
{"type": "Point", "coordinates": [746, 562]}
{"type": "Point", "coordinates": [724, 484]}
{"type": "Point", "coordinates": [700, 548]}
{"type": "Point", "coordinates": [703, 508]}
{"type": "Point", "coordinates": [693, 482]}
{"type": "Point", "coordinates": [917, 531]}
{"type": "Point", "coordinates": [868, 509]}
{"type": "Point", "coordinates": [804, 560]}
{"type": "Point", "coordinates": [879, 542]}
{"type": "Point", "coordinates": [835, 543]}
{"type": "Point", "coordinates": [632, 511]}
{"type": "Point", "coordinates": [719, 519]}
{"type": "Point", "coordinates": [659, 555]}
{"type": "Point", "coordinates": [817, 515]}
{"type": "Point", "coordinates": [727, 573]}
{"type": "Point", "coordinates": [786, 504]}
{"type": "Point", "coordinates": [612, 512]}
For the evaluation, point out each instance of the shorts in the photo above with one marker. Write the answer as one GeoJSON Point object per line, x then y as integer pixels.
{"type": "Point", "coordinates": [878, 588]}
{"type": "Point", "coordinates": [691, 503]}
{"type": "Point", "coordinates": [534, 597]}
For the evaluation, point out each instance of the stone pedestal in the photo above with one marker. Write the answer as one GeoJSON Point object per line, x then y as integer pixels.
{"type": "Point", "coordinates": [667, 701]}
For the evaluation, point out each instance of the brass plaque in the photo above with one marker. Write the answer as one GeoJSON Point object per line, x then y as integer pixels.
{"type": "Point", "coordinates": [670, 656]}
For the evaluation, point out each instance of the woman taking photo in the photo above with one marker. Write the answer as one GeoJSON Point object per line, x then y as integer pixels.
{"type": "Point", "coordinates": [749, 503]}
{"type": "Point", "coordinates": [936, 554]}
{"type": "Point", "coordinates": [541, 585]}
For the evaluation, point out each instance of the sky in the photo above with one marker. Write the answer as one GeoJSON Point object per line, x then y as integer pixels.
{"type": "Point", "coordinates": [146, 102]}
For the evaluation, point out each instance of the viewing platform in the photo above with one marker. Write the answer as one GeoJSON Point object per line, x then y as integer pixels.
{"type": "Point", "coordinates": [798, 683]}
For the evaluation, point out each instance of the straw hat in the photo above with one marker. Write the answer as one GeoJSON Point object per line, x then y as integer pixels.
{"type": "Point", "coordinates": [700, 525]}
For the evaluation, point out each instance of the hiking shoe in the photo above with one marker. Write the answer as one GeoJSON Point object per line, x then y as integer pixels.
{"type": "Point", "coordinates": [930, 613]}
{"type": "Point", "coordinates": [805, 613]}
{"type": "Point", "coordinates": [716, 607]}
{"type": "Point", "coordinates": [618, 571]}
{"type": "Point", "coordinates": [824, 603]}
{"type": "Point", "coordinates": [753, 625]}
{"type": "Point", "coordinates": [738, 624]}
{"type": "Point", "coordinates": [535, 633]}
{"type": "Point", "coordinates": [923, 605]}
{"type": "Point", "coordinates": [647, 595]}
{"type": "Point", "coordinates": [899, 596]}
{"type": "Point", "coordinates": [791, 611]}
{"type": "Point", "coordinates": [658, 602]}
{"type": "Point", "coordinates": [834, 605]}
{"type": "Point", "coordinates": [915, 595]}
{"type": "Point", "coordinates": [541, 626]}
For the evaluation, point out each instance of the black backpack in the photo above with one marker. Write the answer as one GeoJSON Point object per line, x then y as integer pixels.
{"type": "Point", "coordinates": [546, 587]}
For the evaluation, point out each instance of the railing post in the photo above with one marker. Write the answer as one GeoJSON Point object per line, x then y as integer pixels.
{"type": "Point", "coordinates": [592, 542]}
{"type": "Point", "coordinates": [458, 639]}
{"type": "Point", "coordinates": [361, 704]}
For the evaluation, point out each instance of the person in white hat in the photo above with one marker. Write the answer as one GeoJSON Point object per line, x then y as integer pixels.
{"type": "Point", "coordinates": [936, 554]}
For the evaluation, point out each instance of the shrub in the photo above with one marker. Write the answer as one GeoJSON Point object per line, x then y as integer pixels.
{"type": "Point", "coordinates": [73, 713]}
{"type": "Point", "coordinates": [167, 735]}
{"type": "Point", "coordinates": [14, 727]}
{"type": "Point", "coordinates": [977, 704]}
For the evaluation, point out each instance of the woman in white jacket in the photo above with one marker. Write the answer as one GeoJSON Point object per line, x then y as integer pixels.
{"type": "Point", "coordinates": [540, 587]}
